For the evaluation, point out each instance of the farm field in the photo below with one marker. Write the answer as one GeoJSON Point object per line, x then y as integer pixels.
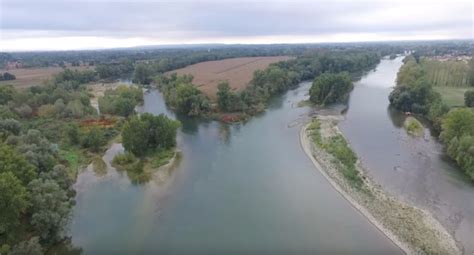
{"type": "Point", "coordinates": [452, 96]}
{"type": "Point", "coordinates": [27, 77]}
{"type": "Point", "coordinates": [238, 71]}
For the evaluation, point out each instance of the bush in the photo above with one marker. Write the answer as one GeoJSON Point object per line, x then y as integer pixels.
{"type": "Point", "coordinates": [469, 98]}
{"type": "Point", "coordinates": [145, 133]}
{"type": "Point", "coordinates": [47, 110]}
{"type": "Point", "coordinates": [93, 139]}
{"type": "Point", "coordinates": [8, 76]}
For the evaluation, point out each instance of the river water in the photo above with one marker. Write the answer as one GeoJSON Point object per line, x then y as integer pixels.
{"type": "Point", "coordinates": [239, 189]}
{"type": "Point", "coordinates": [414, 169]}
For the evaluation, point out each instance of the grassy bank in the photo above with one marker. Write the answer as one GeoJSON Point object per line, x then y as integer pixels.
{"type": "Point", "coordinates": [413, 126]}
{"type": "Point", "coordinates": [140, 170]}
{"type": "Point", "coordinates": [412, 229]}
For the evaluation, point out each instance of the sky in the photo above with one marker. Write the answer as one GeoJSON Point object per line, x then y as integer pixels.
{"type": "Point", "coordinates": [28, 25]}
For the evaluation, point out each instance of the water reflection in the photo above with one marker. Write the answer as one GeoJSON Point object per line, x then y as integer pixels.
{"type": "Point", "coordinates": [396, 117]}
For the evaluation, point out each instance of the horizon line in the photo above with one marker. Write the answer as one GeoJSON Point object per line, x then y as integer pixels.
{"type": "Point", "coordinates": [177, 45]}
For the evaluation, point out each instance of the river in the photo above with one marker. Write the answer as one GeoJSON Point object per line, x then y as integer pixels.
{"type": "Point", "coordinates": [239, 189]}
{"type": "Point", "coordinates": [411, 168]}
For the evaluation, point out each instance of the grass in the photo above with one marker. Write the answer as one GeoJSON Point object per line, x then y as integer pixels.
{"type": "Point", "coordinates": [161, 157]}
{"type": "Point", "coordinates": [74, 157]}
{"type": "Point", "coordinates": [453, 96]}
{"type": "Point", "coordinates": [314, 128]}
{"type": "Point", "coordinates": [344, 157]}
{"type": "Point", "coordinates": [413, 126]}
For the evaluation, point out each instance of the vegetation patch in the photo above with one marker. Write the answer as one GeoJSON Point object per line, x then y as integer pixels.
{"type": "Point", "coordinates": [336, 145]}
{"type": "Point", "coordinates": [413, 126]}
{"type": "Point", "coordinates": [161, 157]}
{"type": "Point", "coordinates": [149, 142]}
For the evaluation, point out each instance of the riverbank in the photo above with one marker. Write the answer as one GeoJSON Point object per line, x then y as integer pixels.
{"type": "Point", "coordinates": [414, 230]}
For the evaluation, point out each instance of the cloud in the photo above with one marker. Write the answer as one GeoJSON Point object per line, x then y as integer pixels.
{"type": "Point", "coordinates": [147, 21]}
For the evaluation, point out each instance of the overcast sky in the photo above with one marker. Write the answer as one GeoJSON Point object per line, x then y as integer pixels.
{"type": "Point", "coordinates": [89, 24]}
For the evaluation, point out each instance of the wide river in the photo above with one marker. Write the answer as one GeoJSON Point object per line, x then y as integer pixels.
{"type": "Point", "coordinates": [250, 189]}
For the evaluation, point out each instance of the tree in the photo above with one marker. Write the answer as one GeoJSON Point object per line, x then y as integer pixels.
{"type": "Point", "coordinates": [223, 95]}
{"type": "Point", "coordinates": [13, 203]}
{"type": "Point", "coordinates": [142, 74]}
{"type": "Point", "coordinates": [73, 134]}
{"type": "Point", "coordinates": [16, 163]}
{"type": "Point", "coordinates": [30, 247]}
{"type": "Point", "coordinates": [330, 88]}
{"type": "Point", "coordinates": [469, 98]}
{"type": "Point", "coordinates": [458, 134]}
{"type": "Point", "coordinates": [145, 133]}
{"type": "Point", "coordinates": [93, 139]}
{"type": "Point", "coordinates": [134, 136]}
{"type": "Point", "coordinates": [458, 122]}
{"type": "Point", "coordinates": [50, 209]}
{"type": "Point", "coordinates": [8, 76]}
{"type": "Point", "coordinates": [6, 93]}
{"type": "Point", "coordinates": [9, 127]}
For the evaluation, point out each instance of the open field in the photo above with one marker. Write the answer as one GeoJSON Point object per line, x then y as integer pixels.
{"type": "Point", "coordinates": [238, 71]}
{"type": "Point", "coordinates": [27, 77]}
{"type": "Point", "coordinates": [453, 96]}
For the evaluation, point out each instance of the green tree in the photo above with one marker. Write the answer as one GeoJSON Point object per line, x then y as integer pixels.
{"type": "Point", "coordinates": [145, 133]}
{"type": "Point", "coordinates": [142, 74]}
{"type": "Point", "coordinates": [14, 162]}
{"type": "Point", "coordinates": [458, 122]}
{"type": "Point", "coordinates": [223, 95]}
{"type": "Point", "coordinates": [93, 139]}
{"type": "Point", "coordinates": [8, 76]}
{"type": "Point", "coordinates": [134, 136]}
{"type": "Point", "coordinates": [29, 247]}
{"type": "Point", "coordinates": [458, 134]}
{"type": "Point", "coordinates": [6, 93]}
{"type": "Point", "coordinates": [469, 98]}
{"type": "Point", "coordinates": [50, 209]}
{"type": "Point", "coordinates": [73, 134]}
{"type": "Point", "coordinates": [13, 203]}
{"type": "Point", "coordinates": [330, 88]}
